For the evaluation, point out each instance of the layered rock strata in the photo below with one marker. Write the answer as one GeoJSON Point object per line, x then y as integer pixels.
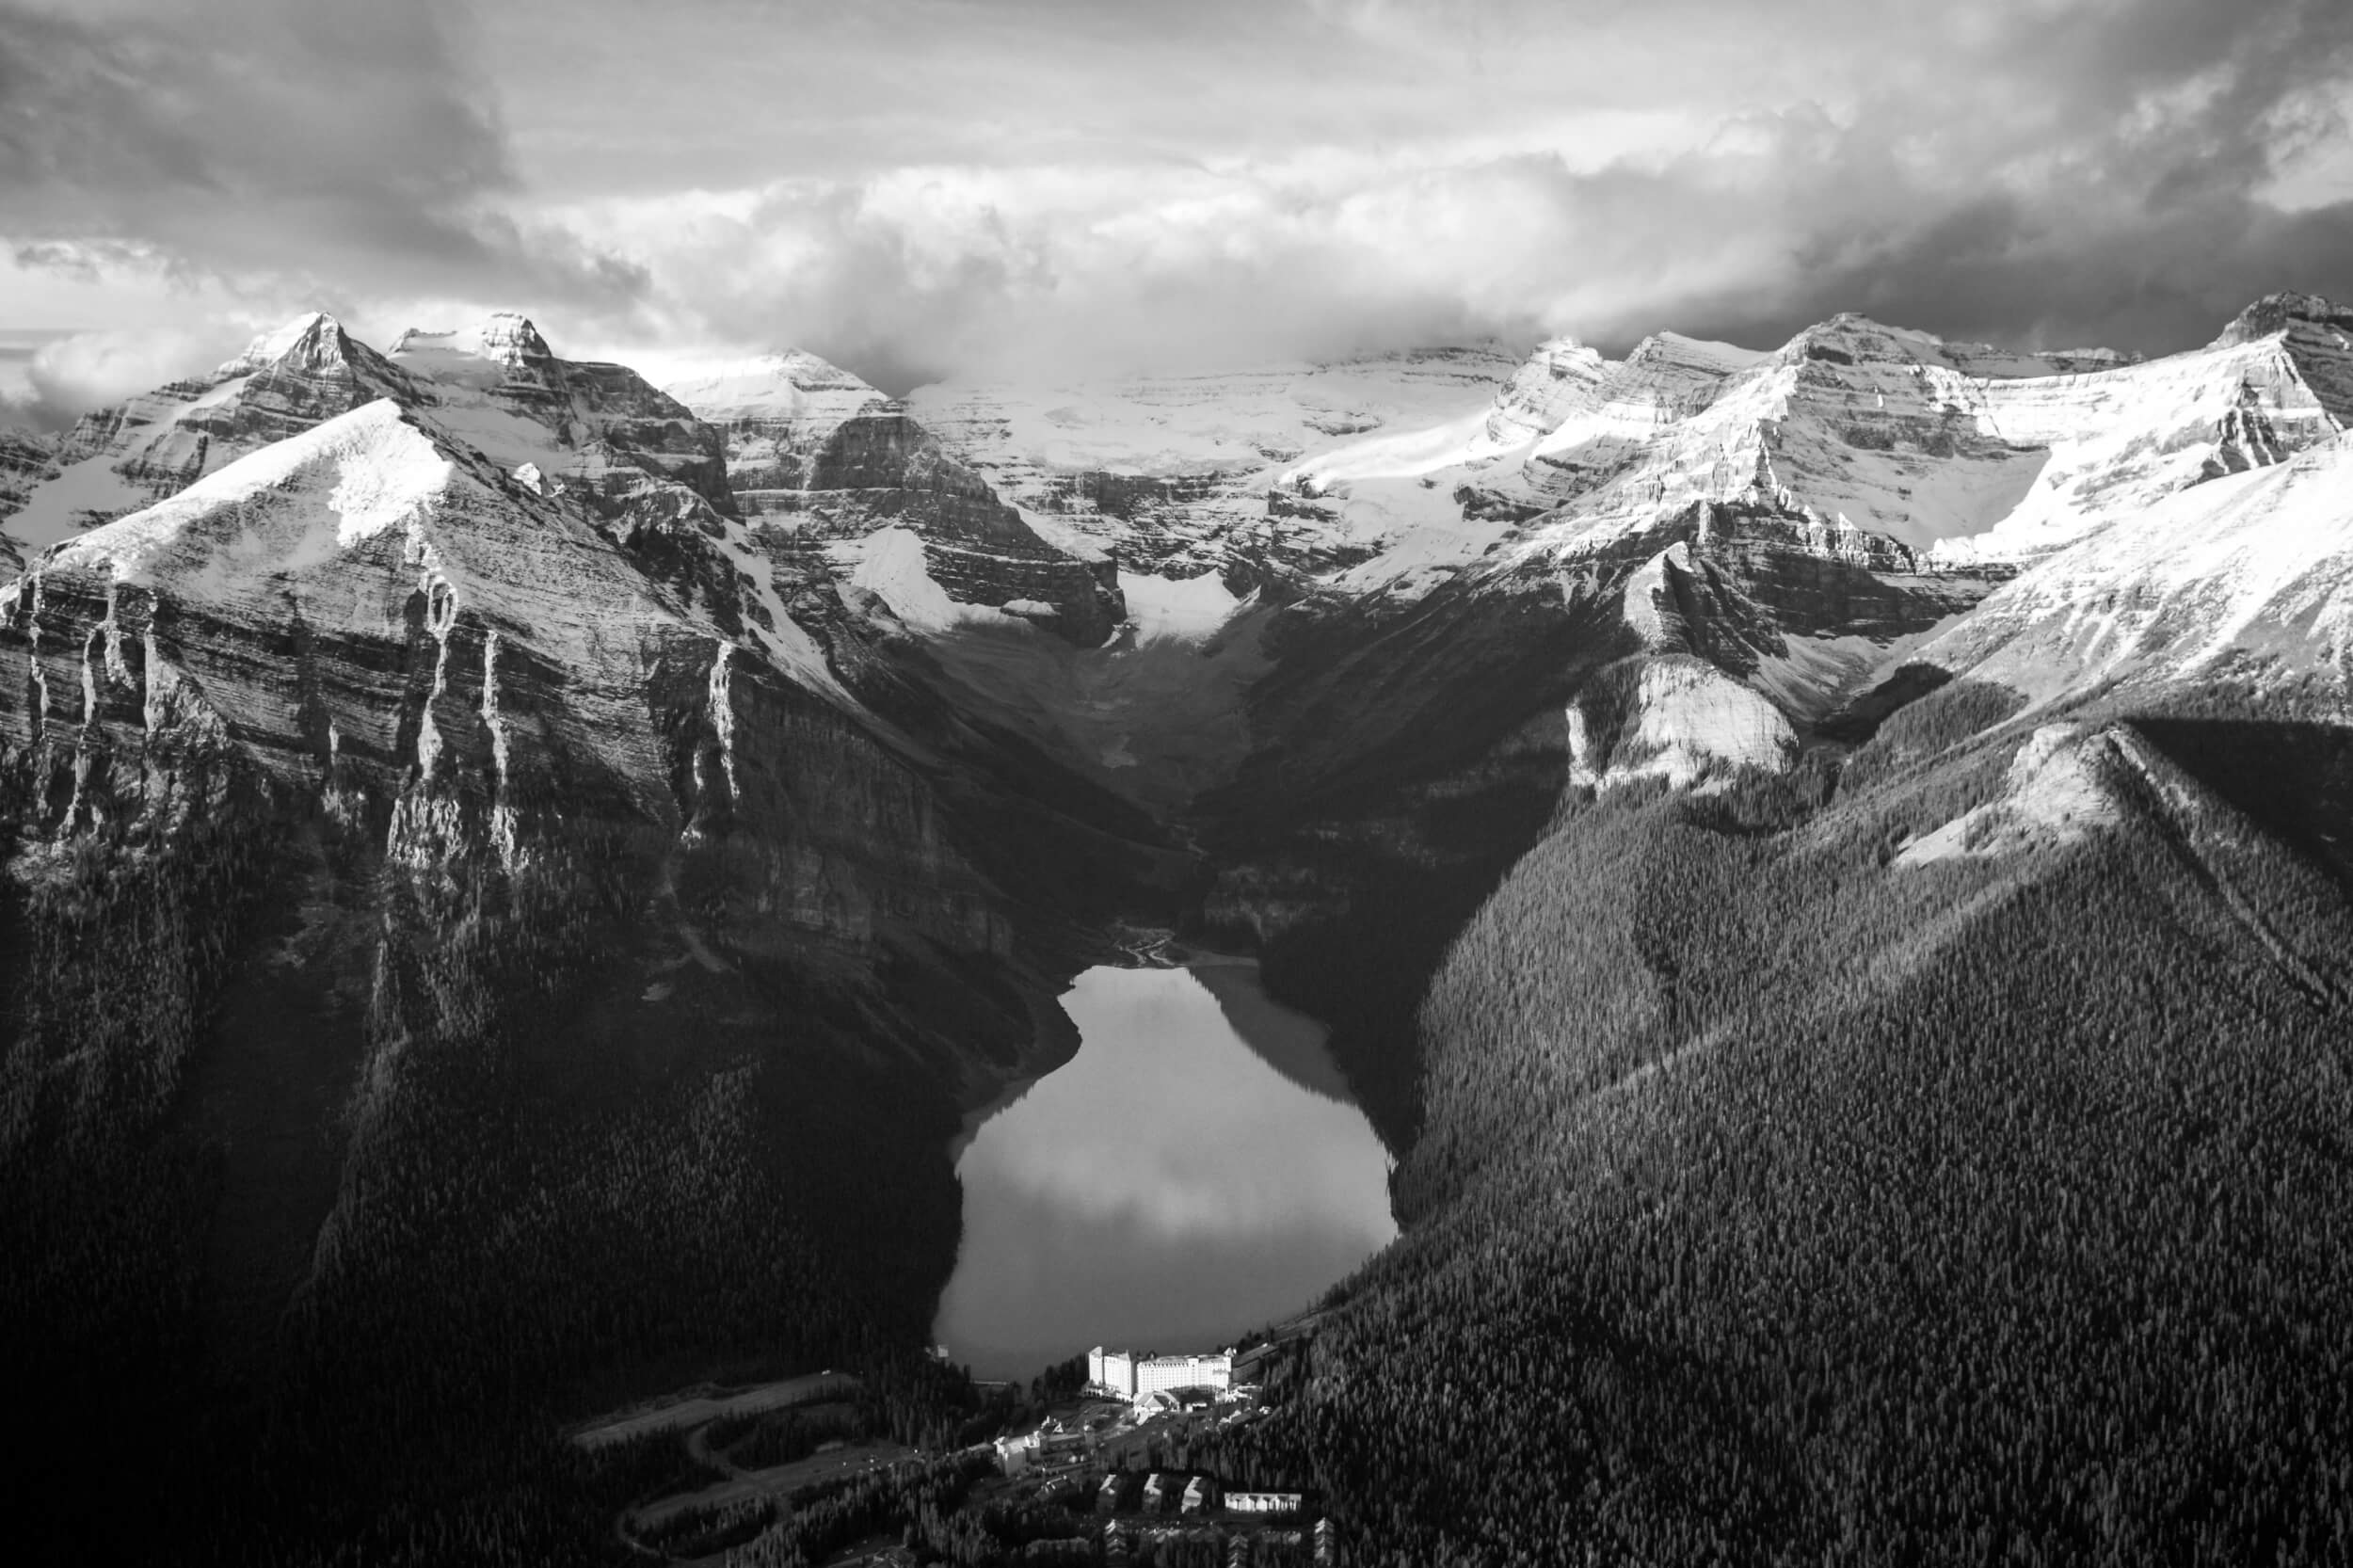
{"type": "Point", "coordinates": [814, 455]}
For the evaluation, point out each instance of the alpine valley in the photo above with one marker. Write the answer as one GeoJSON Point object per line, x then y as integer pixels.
{"type": "Point", "coordinates": [1829, 867]}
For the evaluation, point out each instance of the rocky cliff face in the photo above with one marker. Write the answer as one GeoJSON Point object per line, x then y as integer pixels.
{"type": "Point", "coordinates": [370, 622]}
{"type": "Point", "coordinates": [494, 383]}
{"type": "Point", "coordinates": [2316, 334]}
{"type": "Point", "coordinates": [815, 454]}
{"type": "Point", "coordinates": [777, 413]}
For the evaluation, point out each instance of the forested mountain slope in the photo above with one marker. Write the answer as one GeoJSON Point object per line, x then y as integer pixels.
{"type": "Point", "coordinates": [1946, 1172]}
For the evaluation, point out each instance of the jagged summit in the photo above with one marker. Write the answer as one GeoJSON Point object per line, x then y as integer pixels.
{"type": "Point", "coordinates": [505, 338]}
{"type": "Point", "coordinates": [1852, 338]}
{"type": "Point", "coordinates": [311, 340]}
{"type": "Point", "coordinates": [2314, 332]}
{"type": "Point", "coordinates": [638, 459]}
{"type": "Point", "coordinates": [116, 460]}
{"type": "Point", "coordinates": [2280, 312]}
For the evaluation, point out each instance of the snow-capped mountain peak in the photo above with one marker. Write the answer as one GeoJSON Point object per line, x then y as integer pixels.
{"type": "Point", "coordinates": [2315, 332]}
{"type": "Point", "coordinates": [789, 384]}
{"type": "Point", "coordinates": [118, 459]}
{"type": "Point", "coordinates": [504, 339]}
{"type": "Point", "coordinates": [311, 340]}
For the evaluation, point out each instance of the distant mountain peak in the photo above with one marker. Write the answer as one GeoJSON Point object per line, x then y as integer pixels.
{"type": "Point", "coordinates": [805, 369]}
{"type": "Point", "coordinates": [783, 383]}
{"type": "Point", "coordinates": [1850, 337]}
{"type": "Point", "coordinates": [2315, 333]}
{"type": "Point", "coordinates": [2279, 313]}
{"type": "Point", "coordinates": [504, 337]}
{"type": "Point", "coordinates": [311, 341]}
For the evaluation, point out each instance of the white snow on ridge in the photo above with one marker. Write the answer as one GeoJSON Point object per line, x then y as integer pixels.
{"type": "Point", "coordinates": [1973, 453]}
{"type": "Point", "coordinates": [1835, 421]}
{"type": "Point", "coordinates": [891, 563]}
{"type": "Point", "coordinates": [308, 517]}
{"type": "Point", "coordinates": [1244, 421]}
{"type": "Point", "coordinates": [1405, 453]}
{"type": "Point", "coordinates": [1564, 396]}
{"type": "Point", "coordinates": [1181, 465]}
{"type": "Point", "coordinates": [2121, 440]}
{"type": "Point", "coordinates": [792, 385]}
{"type": "Point", "coordinates": [2254, 570]}
{"type": "Point", "coordinates": [298, 503]}
{"type": "Point", "coordinates": [1057, 530]}
{"type": "Point", "coordinates": [482, 352]}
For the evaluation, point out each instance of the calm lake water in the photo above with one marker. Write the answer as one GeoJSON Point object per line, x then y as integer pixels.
{"type": "Point", "coordinates": [1195, 1170]}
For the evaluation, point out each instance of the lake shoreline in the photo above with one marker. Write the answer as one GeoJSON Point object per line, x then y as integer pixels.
{"type": "Point", "coordinates": [1195, 1171]}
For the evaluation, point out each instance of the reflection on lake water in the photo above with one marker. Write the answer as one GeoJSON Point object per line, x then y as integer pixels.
{"type": "Point", "coordinates": [1195, 1171]}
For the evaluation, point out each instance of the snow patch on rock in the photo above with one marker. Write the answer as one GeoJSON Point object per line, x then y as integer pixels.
{"type": "Point", "coordinates": [892, 564]}
{"type": "Point", "coordinates": [304, 500]}
{"type": "Point", "coordinates": [1189, 610]}
{"type": "Point", "coordinates": [2251, 574]}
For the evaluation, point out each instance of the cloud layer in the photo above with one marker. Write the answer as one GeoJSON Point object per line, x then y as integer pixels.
{"type": "Point", "coordinates": [934, 188]}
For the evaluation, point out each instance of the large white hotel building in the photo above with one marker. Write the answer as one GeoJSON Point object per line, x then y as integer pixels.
{"type": "Point", "coordinates": [1130, 1376]}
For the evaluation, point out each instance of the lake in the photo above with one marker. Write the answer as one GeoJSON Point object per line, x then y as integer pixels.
{"type": "Point", "coordinates": [1197, 1169]}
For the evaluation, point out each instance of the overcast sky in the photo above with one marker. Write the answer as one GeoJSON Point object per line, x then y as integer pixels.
{"type": "Point", "coordinates": [918, 189]}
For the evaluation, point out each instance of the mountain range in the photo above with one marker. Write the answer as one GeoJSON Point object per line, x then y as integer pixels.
{"type": "Point", "coordinates": [1828, 866]}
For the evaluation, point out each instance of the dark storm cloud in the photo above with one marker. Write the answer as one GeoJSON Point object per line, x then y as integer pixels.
{"type": "Point", "coordinates": [334, 143]}
{"type": "Point", "coordinates": [2122, 204]}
